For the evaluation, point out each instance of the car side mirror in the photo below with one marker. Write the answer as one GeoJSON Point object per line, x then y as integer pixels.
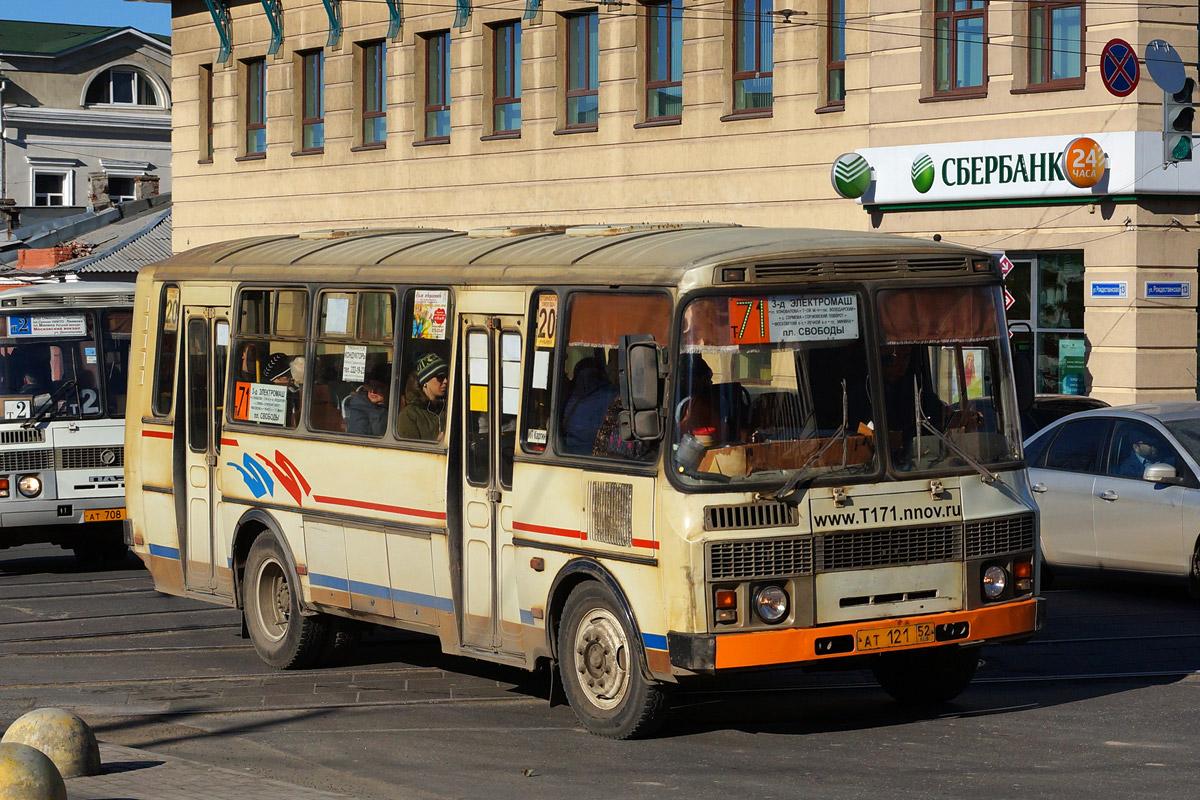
{"type": "Point", "coordinates": [641, 416]}
{"type": "Point", "coordinates": [1161, 473]}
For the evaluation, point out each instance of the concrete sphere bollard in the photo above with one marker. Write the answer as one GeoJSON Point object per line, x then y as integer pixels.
{"type": "Point", "coordinates": [27, 774]}
{"type": "Point", "coordinates": [62, 736]}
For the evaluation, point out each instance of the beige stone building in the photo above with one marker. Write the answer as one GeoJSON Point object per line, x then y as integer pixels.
{"type": "Point", "coordinates": [309, 114]}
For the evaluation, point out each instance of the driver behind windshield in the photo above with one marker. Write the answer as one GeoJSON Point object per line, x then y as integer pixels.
{"type": "Point", "coordinates": [904, 377]}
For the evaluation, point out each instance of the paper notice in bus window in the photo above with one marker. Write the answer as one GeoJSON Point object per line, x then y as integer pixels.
{"type": "Point", "coordinates": [337, 315]}
{"type": "Point", "coordinates": [89, 355]}
{"type": "Point", "coordinates": [241, 400]}
{"type": "Point", "coordinates": [509, 401]}
{"type": "Point", "coordinates": [171, 309]}
{"type": "Point", "coordinates": [541, 371]}
{"type": "Point", "coordinates": [354, 363]}
{"type": "Point", "coordinates": [537, 436]}
{"type": "Point", "coordinates": [429, 314]}
{"type": "Point", "coordinates": [268, 403]}
{"type": "Point", "coordinates": [547, 320]}
{"type": "Point", "coordinates": [16, 409]}
{"type": "Point", "coordinates": [793, 318]}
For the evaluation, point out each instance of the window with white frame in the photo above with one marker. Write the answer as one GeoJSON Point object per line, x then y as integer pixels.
{"type": "Point", "coordinates": [120, 188]}
{"type": "Point", "coordinates": [51, 188]}
{"type": "Point", "coordinates": [123, 86]}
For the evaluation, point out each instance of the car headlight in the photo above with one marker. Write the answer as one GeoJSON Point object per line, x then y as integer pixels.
{"type": "Point", "coordinates": [995, 581]}
{"type": "Point", "coordinates": [29, 485]}
{"type": "Point", "coordinates": [771, 603]}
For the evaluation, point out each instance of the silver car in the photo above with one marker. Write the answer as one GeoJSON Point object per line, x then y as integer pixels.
{"type": "Point", "coordinates": [1118, 491]}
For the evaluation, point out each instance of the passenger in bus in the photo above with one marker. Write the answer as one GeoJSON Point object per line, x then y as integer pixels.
{"type": "Point", "coordinates": [698, 413]}
{"type": "Point", "coordinates": [366, 409]}
{"type": "Point", "coordinates": [279, 371]}
{"type": "Point", "coordinates": [424, 415]}
{"type": "Point", "coordinates": [584, 410]}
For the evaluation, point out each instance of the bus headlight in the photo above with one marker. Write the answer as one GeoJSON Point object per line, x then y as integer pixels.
{"type": "Point", "coordinates": [29, 485]}
{"type": "Point", "coordinates": [995, 581]}
{"type": "Point", "coordinates": [771, 603]}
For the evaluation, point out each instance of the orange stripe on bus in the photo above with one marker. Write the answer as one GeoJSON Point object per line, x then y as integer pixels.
{"type": "Point", "coordinates": [798, 645]}
{"type": "Point", "coordinates": [158, 434]}
{"type": "Point", "coordinates": [230, 442]}
{"type": "Point", "coordinates": [531, 528]}
{"type": "Point", "coordinates": [650, 543]}
{"type": "Point", "coordinates": [412, 512]}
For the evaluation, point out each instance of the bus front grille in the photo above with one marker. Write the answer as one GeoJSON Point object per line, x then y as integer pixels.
{"type": "Point", "coordinates": [749, 515]}
{"type": "Point", "coordinates": [989, 537]}
{"type": "Point", "coordinates": [763, 558]}
{"type": "Point", "coordinates": [26, 460]}
{"type": "Point", "coordinates": [22, 436]}
{"type": "Point", "coordinates": [898, 547]}
{"type": "Point", "coordinates": [101, 457]}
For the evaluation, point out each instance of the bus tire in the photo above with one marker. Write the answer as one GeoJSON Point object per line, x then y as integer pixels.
{"type": "Point", "coordinates": [928, 676]}
{"type": "Point", "coordinates": [601, 670]}
{"type": "Point", "coordinates": [283, 637]}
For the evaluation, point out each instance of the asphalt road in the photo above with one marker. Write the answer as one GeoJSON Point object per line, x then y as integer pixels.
{"type": "Point", "coordinates": [1103, 703]}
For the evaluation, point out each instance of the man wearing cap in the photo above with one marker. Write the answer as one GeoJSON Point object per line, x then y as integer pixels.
{"type": "Point", "coordinates": [279, 371]}
{"type": "Point", "coordinates": [425, 415]}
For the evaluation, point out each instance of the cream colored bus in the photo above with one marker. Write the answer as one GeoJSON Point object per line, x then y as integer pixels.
{"type": "Point", "coordinates": [641, 454]}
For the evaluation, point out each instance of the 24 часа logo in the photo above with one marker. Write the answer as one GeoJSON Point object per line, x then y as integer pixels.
{"type": "Point", "coordinates": [923, 173]}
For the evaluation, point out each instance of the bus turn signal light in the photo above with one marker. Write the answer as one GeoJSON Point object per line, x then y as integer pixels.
{"type": "Point", "coordinates": [726, 605]}
{"type": "Point", "coordinates": [4, 487]}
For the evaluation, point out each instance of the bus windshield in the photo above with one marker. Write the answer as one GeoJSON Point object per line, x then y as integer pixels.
{"type": "Point", "coordinates": [50, 367]}
{"type": "Point", "coordinates": [779, 387]}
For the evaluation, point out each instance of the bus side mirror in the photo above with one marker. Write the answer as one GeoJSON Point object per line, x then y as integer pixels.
{"type": "Point", "coordinates": [641, 386]}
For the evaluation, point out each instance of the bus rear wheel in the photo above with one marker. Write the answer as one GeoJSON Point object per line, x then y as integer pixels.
{"type": "Point", "coordinates": [928, 676]}
{"type": "Point", "coordinates": [601, 669]}
{"type": "Point", "coordinates": [283, 637]}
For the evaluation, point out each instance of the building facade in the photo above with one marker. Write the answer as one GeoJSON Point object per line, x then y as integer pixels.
{"type": "Point", "coordinates": [935, 118]}
{"type": "Point", "coordinates": [85, 117]}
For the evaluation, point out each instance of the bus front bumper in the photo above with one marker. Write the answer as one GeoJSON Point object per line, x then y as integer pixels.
{"type": "Point", "coordinates": [706, 653]}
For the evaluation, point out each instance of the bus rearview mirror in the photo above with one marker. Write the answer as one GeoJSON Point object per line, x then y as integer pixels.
{"type": "Point", "coordinates": [641, 387]}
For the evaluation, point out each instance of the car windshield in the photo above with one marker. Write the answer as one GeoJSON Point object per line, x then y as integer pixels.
{"type": "Point", "coordinates": [770, 384]}
{"type": "Point", "coordinates": [1187, 433]}
{"type": "Point", "coordinates": [943, 362]}
{"type": "Point", "coordinates": [50, 366]}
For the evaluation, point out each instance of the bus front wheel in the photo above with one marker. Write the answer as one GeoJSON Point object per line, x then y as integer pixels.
{"type": "Point", "coordinates": [928, 676]}
{"type": "Point", "coordinates": [601, 669]}
{"type": "Point", "coordinates": [282, 636]}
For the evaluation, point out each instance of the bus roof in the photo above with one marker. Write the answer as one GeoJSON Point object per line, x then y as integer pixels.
{"type": "Point", "coordinates": [74, 294]}
{"type": "Point", "coordinates": [656, 254]}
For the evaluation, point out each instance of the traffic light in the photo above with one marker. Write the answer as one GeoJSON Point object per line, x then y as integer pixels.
{"type": "Point", "coordinates": [1178, 114]}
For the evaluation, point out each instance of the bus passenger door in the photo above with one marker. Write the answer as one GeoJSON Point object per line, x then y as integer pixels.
{"type": "Point", "coordinates": [207, 344]}
{"type": "Point", "coordinates": [491, 369]}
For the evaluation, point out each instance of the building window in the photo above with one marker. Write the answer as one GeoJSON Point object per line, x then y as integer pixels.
{"type": "Point", "coordinates": [256, 106]}
{"type": "Point", "coordinates": [52, 189]}
{"type": "Point", "coordinates": [1046, 317]}
{"type": "Point", "coordinates": [506, 87]}
{"type": "Point", "coordinates": [374, 97]}
{"type": "Point", "coordinates": [753, 55]}
{"type": "Point", "coordinates": [121, 188]}
{"type": "Point", "coordinates": [664, 60]}
{"type": "Point", "coordinates": [206, 112]}
{"type": "Point", "coordinates": [835, 69]}
{"type": "Point", "coordinates": [1055, 43]}
{"type": "Point", "coordinates": [583, 86]}
{"type": "Point", "coordinates": [960, 33]}
{"type": "Point", "coordinates": [122, 86]}
{"type": "Point", "coordinates": [312, 90]}
{"type": "Point", "coordinates": [437, 87]}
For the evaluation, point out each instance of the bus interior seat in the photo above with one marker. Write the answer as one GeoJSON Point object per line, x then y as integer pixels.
{"type": "Point", "coordinates": [777, 415]}
{"type": "Point", "coordinates": [326, 411]}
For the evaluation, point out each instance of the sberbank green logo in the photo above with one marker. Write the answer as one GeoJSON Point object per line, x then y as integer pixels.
{"type": "Point", "coordinates": [851, 175]}
{"type": "Point", "coordinates": [923, 173]}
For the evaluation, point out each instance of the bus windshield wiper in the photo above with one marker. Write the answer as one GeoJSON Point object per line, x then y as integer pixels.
{"type": "Point", "coordinates": [49, 407]}
{"type": "Point", "coordinates": [839, 435]}
{"type": "Point", "coordinates": [923, 422]}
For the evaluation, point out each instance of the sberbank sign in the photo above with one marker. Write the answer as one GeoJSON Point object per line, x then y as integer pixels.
{"type": "Point", "coordinates": [993, 169]}
{"type": "Point", "coordinates": [1005, 168]}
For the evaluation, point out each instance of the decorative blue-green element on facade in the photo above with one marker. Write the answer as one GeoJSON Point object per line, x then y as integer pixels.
{"type": "Point", "coordinates": [220, 14]}
{"type": "Point", "coordinates": [396, 15]}
{"type": "Point", "coordinates": [462, 13]}
{"type": "Point", "coordinates": [274, 13]}
{"type": "Point", "coordinates": [532, 9]}
{"type": "Point", "coordinates": [851, 175]}
{"type": "Point", "coordinates": [333, 9]}
{"type": "Point", "coordinates": [923, 173]}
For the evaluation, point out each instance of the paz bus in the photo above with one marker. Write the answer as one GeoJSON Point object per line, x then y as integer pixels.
{"type": "Point", "coordinates": [64, 352]}
{"type": "Point", "coordinates": [639, 454]}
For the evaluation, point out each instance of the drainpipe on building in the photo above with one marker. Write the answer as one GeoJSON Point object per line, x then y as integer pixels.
{"type": "Point", "coordinates": [3, 137]}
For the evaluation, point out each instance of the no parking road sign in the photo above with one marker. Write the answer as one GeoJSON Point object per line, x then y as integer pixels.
{"type": "Point", "coordinates": [1119, 68]}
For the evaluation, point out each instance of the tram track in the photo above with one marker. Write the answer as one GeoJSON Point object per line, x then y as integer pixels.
{"type": "Point", "coordinates": [106, 634]}
{"type": "Point", "coordinates": [122, 615]}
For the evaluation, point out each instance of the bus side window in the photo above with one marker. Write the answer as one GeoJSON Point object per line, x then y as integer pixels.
{"type": "Point", "coordinates": [269, 369]}
{"type": "Point", "coordinates": [539, 386]}
{"type": "Point", "coordinates": [168, 342]}
{"type": "Point", "coordinates": [421, 392]}
{"type": "Point", "coordinates": [352, 367]}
